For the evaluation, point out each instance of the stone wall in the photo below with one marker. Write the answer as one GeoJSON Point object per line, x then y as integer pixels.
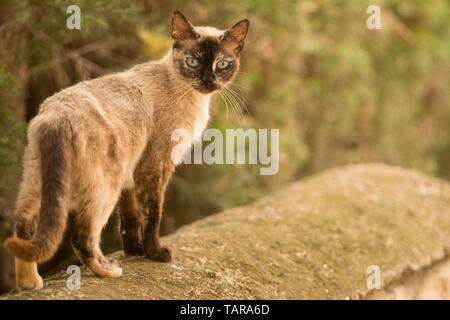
{"type": "Point", "coordinates": [314, 239]}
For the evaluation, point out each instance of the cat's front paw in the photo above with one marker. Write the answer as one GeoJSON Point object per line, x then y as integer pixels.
{"type": "Point", "coordinates": [161, 254]}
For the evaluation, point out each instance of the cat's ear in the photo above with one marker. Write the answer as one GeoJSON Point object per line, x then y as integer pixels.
{"type": "Point", "coordinates": [235, 36]}
{"type": "Point", "coordinates": [182, 29]}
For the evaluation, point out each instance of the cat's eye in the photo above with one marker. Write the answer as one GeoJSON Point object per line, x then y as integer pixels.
{"type": "Point", "coordinates": [222, 64]}
{"type": "Point", "coordinates": [192, 62]}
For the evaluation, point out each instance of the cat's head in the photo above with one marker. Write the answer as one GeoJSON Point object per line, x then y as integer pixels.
{"type": "Point", "coordinates": [206, 57]}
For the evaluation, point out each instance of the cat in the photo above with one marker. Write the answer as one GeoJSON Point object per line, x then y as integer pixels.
{"type": "Point", "coordinates": [107, 142]}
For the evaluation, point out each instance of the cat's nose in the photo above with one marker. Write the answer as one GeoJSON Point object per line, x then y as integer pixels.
{"type": "Point", "coordinates": [207, 81]}
{"type": "Point", "coordinates": [207, 77]}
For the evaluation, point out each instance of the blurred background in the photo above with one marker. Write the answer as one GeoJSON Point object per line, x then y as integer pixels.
{"type": "Point", "coordinates": [339, 92]}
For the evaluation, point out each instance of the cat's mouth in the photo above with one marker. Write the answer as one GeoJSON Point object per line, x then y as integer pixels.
{"type": "Point", "coordinates": [206, 88]}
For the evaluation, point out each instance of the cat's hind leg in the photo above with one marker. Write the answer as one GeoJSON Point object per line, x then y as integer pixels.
{"type": "Point", "coordinates": [89, 223]}
{"type": "Point", "coordinates": [130, 223]}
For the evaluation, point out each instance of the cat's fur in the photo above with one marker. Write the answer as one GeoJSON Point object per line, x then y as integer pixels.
{"type": "Point", "coordinates": [108, 140]}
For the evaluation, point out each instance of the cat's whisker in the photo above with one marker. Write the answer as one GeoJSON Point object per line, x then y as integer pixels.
{"type": "Point", "coordinates": [236, 103]}
{"type": "Point", "coordinates": [237, 109]}
{"type": "Point", "coordinates": [241, 96]}
{"type": "Point", "coordinates": [227, 101]}
{"type": "Point", "coordinates": [239, 92]}
{"type": "Point", "coordinates": [226, 106]}
{"type": "Point", "coordinates": [236, 97]}
{"type": "Point", "coordinates": [227, 98]}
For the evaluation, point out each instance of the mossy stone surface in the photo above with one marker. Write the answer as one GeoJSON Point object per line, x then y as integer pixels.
{"type": "Point", "coordinates": [314, 239]}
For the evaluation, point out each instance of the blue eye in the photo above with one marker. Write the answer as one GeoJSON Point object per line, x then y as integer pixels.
{"type": "Point", "coordinates": [192, 62]}
{"type": "Point", "coordinates": [222, 64]}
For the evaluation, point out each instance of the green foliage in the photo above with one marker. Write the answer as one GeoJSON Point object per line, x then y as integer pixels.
{"type": "Point", "coordinates": [156, 43]}
{"type": "Point", "coordinates": [12, 134]}
{"type": "Point", "coordinates": [337, 91]}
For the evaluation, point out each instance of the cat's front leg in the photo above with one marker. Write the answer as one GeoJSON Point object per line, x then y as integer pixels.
{"type": "Point", "coordinates": [155, 199]}
{"type": "Point", "coordinates": [130, 223]}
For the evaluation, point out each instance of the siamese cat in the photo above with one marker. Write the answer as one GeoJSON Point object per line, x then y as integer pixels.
{"type": "Point", "coordinates": [107, 141]}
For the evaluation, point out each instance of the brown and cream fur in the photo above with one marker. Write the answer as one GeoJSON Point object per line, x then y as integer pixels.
{"type": "Point", "coordinates": [108, 141]}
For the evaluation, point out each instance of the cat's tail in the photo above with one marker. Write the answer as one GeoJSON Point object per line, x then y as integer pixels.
{"type": "Point", "coordinates": [55, 151]}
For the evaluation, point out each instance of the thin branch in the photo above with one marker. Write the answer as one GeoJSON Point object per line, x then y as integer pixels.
{"type": "Point", "coordinates": [74, 55]}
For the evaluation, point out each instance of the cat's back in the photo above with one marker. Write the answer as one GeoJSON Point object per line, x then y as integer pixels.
{"type": "Point", "coordinates": [99, 113]}
{"type": "Point", "coordinates": [112, 104]}
{"type": "Point", "coordinates": [108, 93]}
